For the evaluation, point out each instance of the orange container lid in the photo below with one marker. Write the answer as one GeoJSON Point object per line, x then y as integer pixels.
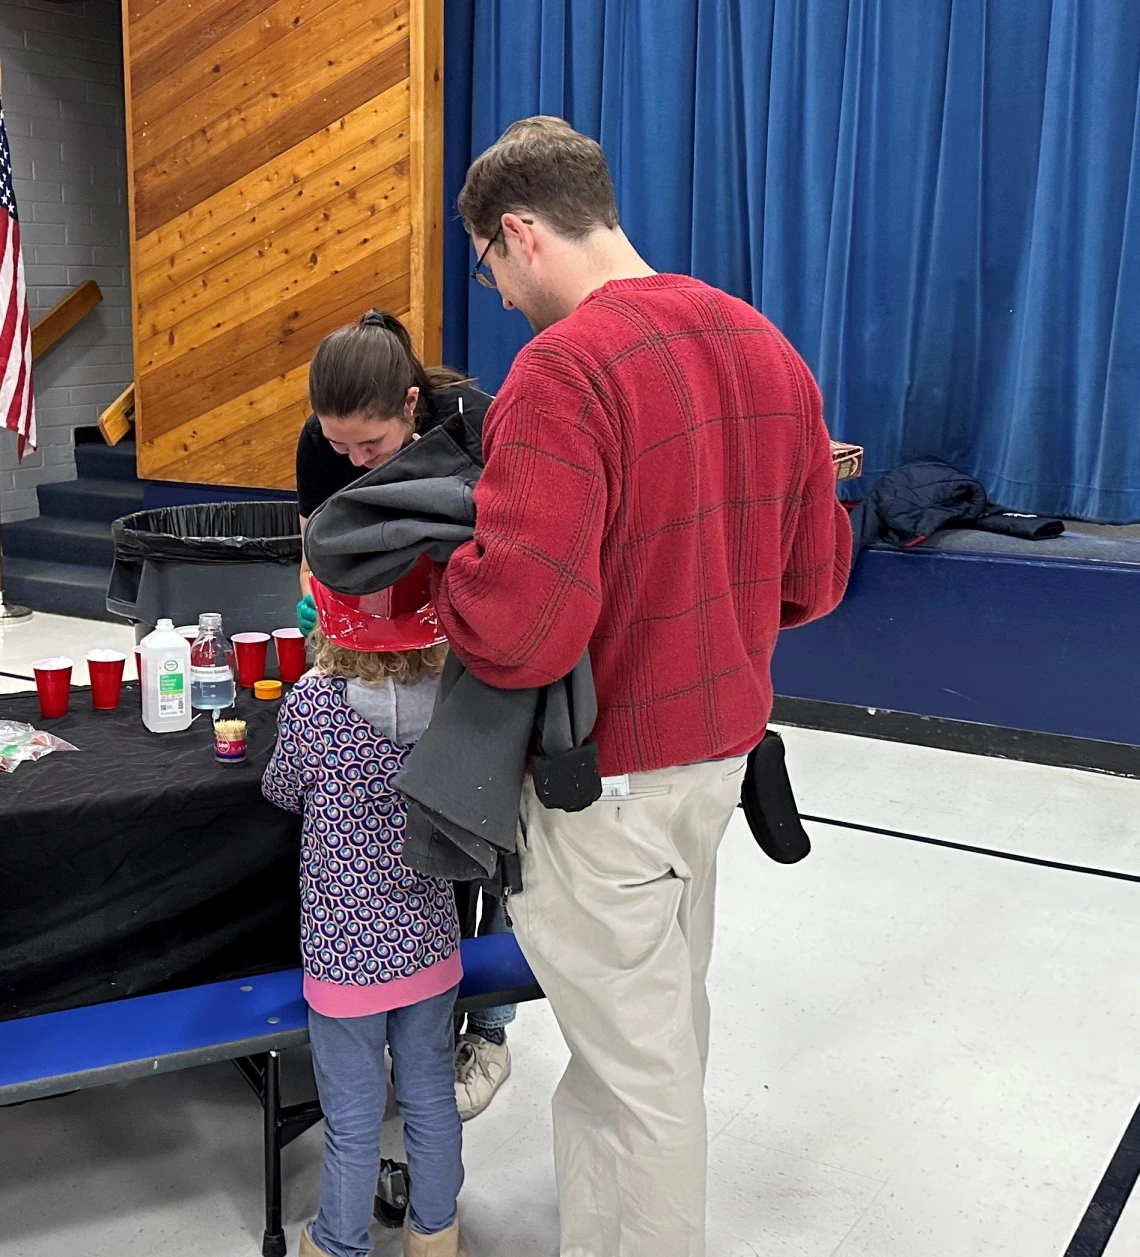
{"type": "Point", "coordinates": [267, 689]}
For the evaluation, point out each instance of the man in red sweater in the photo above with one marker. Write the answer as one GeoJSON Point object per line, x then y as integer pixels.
{"type": "Point", "coordinates": [658, 489]}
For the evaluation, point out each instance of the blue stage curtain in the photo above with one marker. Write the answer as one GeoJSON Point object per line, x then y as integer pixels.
{"type": "Point", "coordinates": [936, 201]}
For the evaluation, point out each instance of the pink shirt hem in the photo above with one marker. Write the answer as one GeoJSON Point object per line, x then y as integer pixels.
{"type": "Point", "coordinates": [337, 999]}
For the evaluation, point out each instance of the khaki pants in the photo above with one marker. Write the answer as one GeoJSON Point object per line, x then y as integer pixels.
{"type": "Point", "coordinates": [616, 919]}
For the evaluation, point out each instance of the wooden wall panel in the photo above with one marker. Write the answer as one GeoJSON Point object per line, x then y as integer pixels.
{"type": "Point", "coordinates": [286, 172]}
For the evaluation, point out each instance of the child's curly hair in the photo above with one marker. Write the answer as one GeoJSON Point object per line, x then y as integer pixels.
{"type": "Point", "coordinates": [402, 666]}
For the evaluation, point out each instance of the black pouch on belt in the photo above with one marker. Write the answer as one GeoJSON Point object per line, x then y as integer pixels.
{"type": "Point", "coordinates": [570, 781]}
{"type": "Point", "coordinates": [564, 767]}
{"type": "Point", "coordinates": [769, 805]}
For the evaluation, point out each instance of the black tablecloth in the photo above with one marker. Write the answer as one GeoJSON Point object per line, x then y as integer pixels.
{"type": "Point", "coordinates": [140, 863]}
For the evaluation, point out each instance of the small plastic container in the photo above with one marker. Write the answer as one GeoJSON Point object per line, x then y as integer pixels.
{"type": "Point", "coordinates": [229, 741]}
{"type": "Point", "coordinates": [267, 689]}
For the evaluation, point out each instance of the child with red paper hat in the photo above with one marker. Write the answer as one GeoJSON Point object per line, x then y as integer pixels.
{"type": "Point", "coordinates": [379, 943]}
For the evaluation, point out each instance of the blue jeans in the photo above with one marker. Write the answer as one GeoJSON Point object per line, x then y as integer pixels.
{"type": "Point", "coordinates": [494, 921]}
{"type": "Point", "coordinates": [348, 1060]}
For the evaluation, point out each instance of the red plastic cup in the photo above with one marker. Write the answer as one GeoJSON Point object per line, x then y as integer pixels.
{"type": "Point", "coordinates": [105, 668]}
{"type": "Point", "coordinates": [53, 685]}
{"type": "Point", "coordinates": [291, 657]}
{"type": "Point", "coordinates": [251, 650]}
{"type": "Point", "coordinates": [188, 631]}
{"type": "Point", "coordinates": [138, 664]}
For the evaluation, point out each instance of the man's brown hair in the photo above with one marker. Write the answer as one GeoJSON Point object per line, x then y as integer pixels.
{"type": "Point", "coordinates": [543, 165]}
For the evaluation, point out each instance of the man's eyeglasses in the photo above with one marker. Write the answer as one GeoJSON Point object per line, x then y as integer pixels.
{"type": "Point", "coordinates": [485, 277]}
{"type": "Point", "coordinates": [479, 274]}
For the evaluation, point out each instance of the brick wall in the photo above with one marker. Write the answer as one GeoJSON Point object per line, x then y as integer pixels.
{"type": "Point", "coordinates": [62, 89]}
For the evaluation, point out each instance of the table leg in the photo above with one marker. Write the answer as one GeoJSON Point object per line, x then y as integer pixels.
{"type": "Point", "coordinates": [273, 1242]}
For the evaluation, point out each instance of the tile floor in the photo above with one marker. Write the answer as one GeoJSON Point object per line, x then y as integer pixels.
{"type": "Point", "coordinates": [46, 635]}
{"type": "Point", "coordinates": [918, 1052]}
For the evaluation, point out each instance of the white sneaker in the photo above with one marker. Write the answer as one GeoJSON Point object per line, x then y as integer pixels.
{"type": "Point", "coordinates": [481, 1068]}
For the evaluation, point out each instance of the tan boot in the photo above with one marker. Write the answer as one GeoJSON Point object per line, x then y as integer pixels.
{"type": "Point", "coordinates": [481, 1068]}
{"type": "Point", "coordinates": [449, 1243]}
{"type": "Point", "coordinates": [307, 1248]}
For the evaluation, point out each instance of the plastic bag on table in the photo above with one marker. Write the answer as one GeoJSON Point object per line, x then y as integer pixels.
{"type": "Point", "coordinates": [20, 742]}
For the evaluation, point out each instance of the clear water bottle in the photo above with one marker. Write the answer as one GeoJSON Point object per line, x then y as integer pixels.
{"type": "Point", "coordinates": [211, 666]}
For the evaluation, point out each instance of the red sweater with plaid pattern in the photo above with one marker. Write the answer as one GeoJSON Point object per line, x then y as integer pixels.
{"type": "Point", "coordinates": [658, 488]}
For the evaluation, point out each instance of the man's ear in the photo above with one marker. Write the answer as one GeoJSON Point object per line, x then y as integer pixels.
{"type": "Point", "coordinates": [520, 236]}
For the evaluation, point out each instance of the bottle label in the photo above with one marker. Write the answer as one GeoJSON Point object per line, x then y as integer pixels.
{"type": "Point", "coordinates": [208, 676]}
{"type": "Point", "coordinates": [171, 690]}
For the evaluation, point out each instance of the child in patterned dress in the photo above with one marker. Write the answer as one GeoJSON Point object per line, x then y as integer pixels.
{"type": "Point", "coordinates": [379, 943]}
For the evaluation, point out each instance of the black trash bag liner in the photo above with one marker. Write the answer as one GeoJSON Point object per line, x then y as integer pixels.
{"type": "Point", "coordinates": [229, 532]}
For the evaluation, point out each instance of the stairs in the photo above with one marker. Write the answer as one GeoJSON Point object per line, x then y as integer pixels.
{"type": "Point", "coordinates": [61, 562]}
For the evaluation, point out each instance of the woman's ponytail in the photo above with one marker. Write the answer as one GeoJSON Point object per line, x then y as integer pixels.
{"type": "Point", "coordinates": [368, 367]}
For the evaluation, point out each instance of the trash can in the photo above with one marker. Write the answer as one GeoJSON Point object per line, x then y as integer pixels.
{"type": "Point", "coordinates": [239, 558]}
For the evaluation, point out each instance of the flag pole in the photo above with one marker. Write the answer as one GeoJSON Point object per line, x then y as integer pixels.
{"type": "Point", "coordinates": [10, 612]}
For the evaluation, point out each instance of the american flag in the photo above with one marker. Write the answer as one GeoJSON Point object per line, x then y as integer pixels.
{"type": "Point", "coordinates": [17, 408]}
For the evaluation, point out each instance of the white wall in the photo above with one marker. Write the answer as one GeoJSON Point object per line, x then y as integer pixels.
{"type": "Point", "coordinates": [62, 91]}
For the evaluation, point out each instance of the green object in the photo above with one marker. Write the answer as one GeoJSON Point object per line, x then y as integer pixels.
{"type": "Point", "coordinates": [307, 614]}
